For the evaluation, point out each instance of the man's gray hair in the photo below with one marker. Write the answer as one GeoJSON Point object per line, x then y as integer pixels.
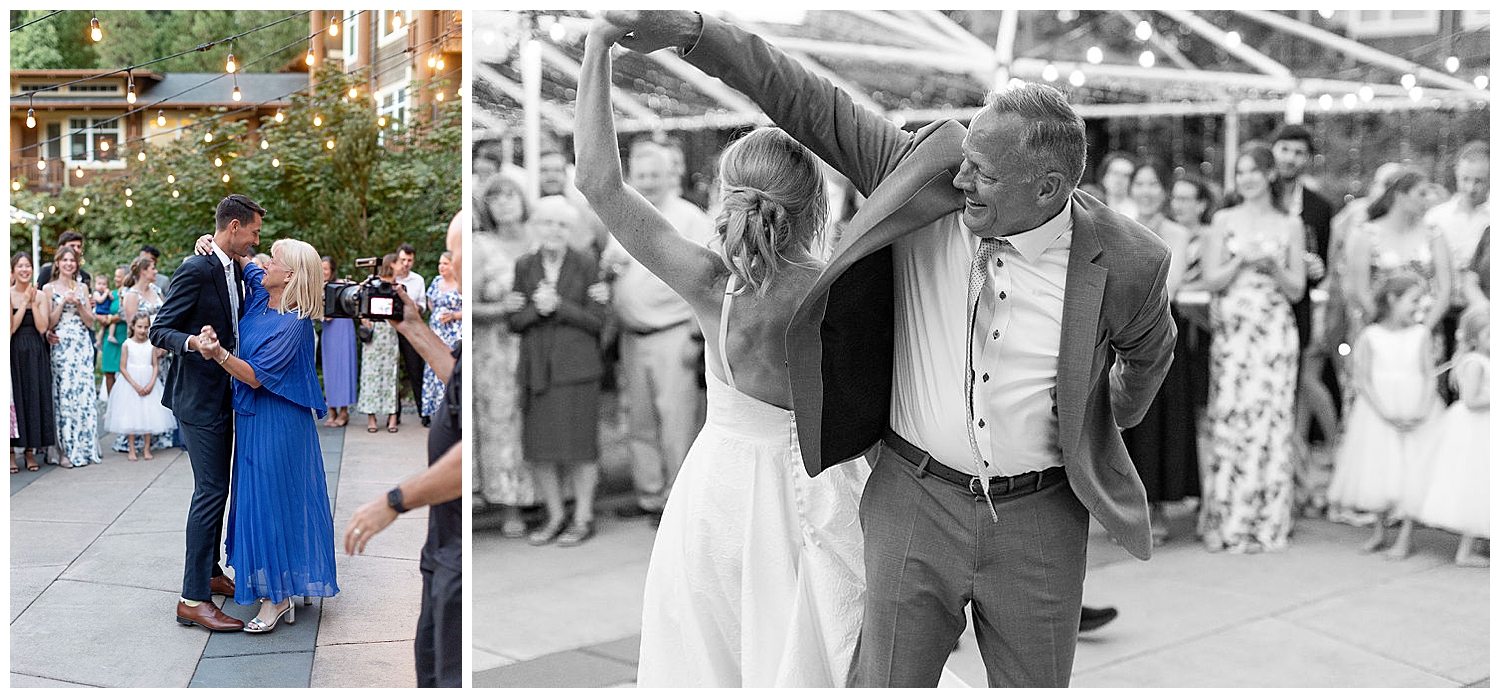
{"type": "Point", "coordinates": [1053, 138]}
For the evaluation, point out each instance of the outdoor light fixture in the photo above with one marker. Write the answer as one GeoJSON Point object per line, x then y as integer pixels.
{"type": "Point", "coordinates": [432, 60]}
{"type": "Point", "coordinates": [440, 95]}
{"type": "Point", "coordinates": [1366, 93]}
{"type": "Point", "coordinates": [1416, 94]}
{"type": "Point", "coordinates": [1451, 64]}
{"type": "Point", "coordinates": [1325, 101]}
{"type": "Point", "coordinates": [141, 156]}
{"type": "Point", "coordinates": [218, 162]}
{"type": "Point", "coordinates": [317, 119]}
{"type": "Point", "coordinates": [95, 32]}
{"type": "Point", "coordinates": [1049, 73]}
{"type": "Point", "coordinates": [310, 58]}
{"type": "Point", "coordinates": [264, 144]}
{"type": "Point", "coordinates": [396, 20]}
{"type": "Point", "coordinates": [279, 117]}
{"type": "Point", "coordinates": [1232, 38]}
{"type": "Point", "coordinates": [275, 162]}
{"type": "Point", "coordinates": [1408, 81]}
{"type": "Point", "coordinates": [229, 65]}
{"type": "Point", "coordinates": [15, 185]}
{"type": "Point", "coordinates": [30, 118]}
{"type": "Point", "coordinates": [381, 121]}
{"type": "Point", "coordinates": [161, 117]}
{"type": "Point", "coordinates": [86, 201]}
{"type": "Point", "coordinates": [226, 177]}
{"type": "Point", "coordinates": [558, 32]}
{"type": "Point", "coordinates": [1095, 55]}
{"type": "Point", "coordinates": [1147, 59]}
{"type": "Point", "coordinates": [41, 164]}
{"type": "Point", "coordinates": [129, 203]}
{"type": "Point", "coordinates": [129, 88]}
{"type": "Point", "coordinates": [82, 211]}
{"type": "Point", "coordinates": [104, 146]}
{"type": "Point", "coordinates": [1143, 30]}
{"type": "Point", "coordinates": [330, 144]}
{"type": "Point", "coordinates": [236, 96]}
{"type": "Point", "coordinates": [440, 63]}
{"type": "Point", "coordinates": [353, 93]}
{"type": "Point", "coordinates": [333, 27]}
{"type": "Point", "coordinates": [174, 193]}
{"type": "Point", "coordinates": [1076, 78]}
{"type": "Point", "coordinates": [171, 179]}
{"type": "Point", "coordinates": [78, 172]}
{"type": "Point", "coordinates": [51, 209]}
{"type": "Point", "coordinates": [208, 136]}
{"type": "Point", "coordinates": [128, 191]}
{"type": "Point", "coordinates": [1481, 81]}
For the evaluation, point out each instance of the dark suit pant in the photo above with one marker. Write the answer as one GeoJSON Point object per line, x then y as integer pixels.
{"type": "Point", "coordinates": [413, 365]}
{"type": "Point", "coordinates": [210, 447]}
{"type": "Point", "coordinates": [931, 547]}
{"type": "Point", "coordinates": [440, 629]}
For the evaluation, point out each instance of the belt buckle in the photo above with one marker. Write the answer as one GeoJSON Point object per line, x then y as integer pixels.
{"type": "Point", "coordinates": [976, 486]}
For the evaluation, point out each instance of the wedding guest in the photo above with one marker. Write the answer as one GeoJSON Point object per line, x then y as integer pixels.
{"type": "Point", "coordinates": [1115, 172]}
{"type": "Point", "coordinates": [378, 387]}
{"type": "Point", "coordinates": [1253, 264]}
{"type": "Point", "coordinates": [114, 329]}
{"type": "Point", "coordinates": [500, 476]}
{"type": "Point", "coordinates": [141, 295]}
{"type": "Point", "coordinates": [1164, 446]}
{"type": "Point", "coordinates": [340, 361]}
{"type": "Point", "coordinates": [1192, 207]}
{"type": "Point", "coordinates": [30, 368]}
{"type": "Point", "coordinates": [447, 321]}
{"type": "Point", "coordinates": [1396, 239]}
{"type": "Point", "coordinates": [559, 370]}
{"type": "Point", "coordinates": [135, 405]}
{"type": "Point", "coordinates": [68, 238]}
{"type": "Point", "coordinates": [73, 389]}
{"type": "Point", "coordinates": [1462, 219]}
{"type": "Point", "coordinates": [1458, 498]}
{"type": "Point", "coordinates": [1476, 276]}
{"type": "Point", "coordinates": [411, 362]}
{"type": "Point", "coordinates": [163, 281]}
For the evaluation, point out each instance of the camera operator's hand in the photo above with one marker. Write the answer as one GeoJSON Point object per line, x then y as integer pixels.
{"type": "Point", "coordinates": [545, 297]}
{"type": "Point", "coordinates": [205, 245]}
{"type": "Point", "coordinates": [513, 301]}
{"type": "Point", "coordinates": [410, 313]}
{"type": "Point", "coordinates": [599, 293]}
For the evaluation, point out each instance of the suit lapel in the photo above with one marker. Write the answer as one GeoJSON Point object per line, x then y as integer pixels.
{"type": "Point", "coordinates": [1082, 300]}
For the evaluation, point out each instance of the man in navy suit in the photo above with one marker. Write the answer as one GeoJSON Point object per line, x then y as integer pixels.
{"type": "Point", "coordinates": [207, 291]}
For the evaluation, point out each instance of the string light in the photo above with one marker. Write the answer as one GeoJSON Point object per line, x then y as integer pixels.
{"type": "Point", "coordinates": [95, 32]}
{"type": "Point", "coordinates": [1451, 64]}
{"type": "Point", "coordinates": [317, 119]}
{"type": "Point", "coordinates": [30, 118]}
{"type": "Point", "coordinates": [78, 173]}
{"type": "Point", "coordinates": [1325, 101]}
{"type": "Point", "coordinates": [1366, 93]}
{"type": "Point", "coordinates": [86, 201]}
{"type": "Point", "coordinates": [1143, 30]}
{"type": "Point", "coordinates": [41, 164]}
{"type": "Point", "coordinates": [1095, 55]}
{"type": "Point", "coordinates": [1049, 73]}
{"type": "Point", "coordinates": [1481, 81]}
{"type": "Point", "coordinates": [15, 185]}
{"type": "Point", "coordinates": [333, 27]}
{"type": "Point", "coordinates": [40, 215]}
{"type": "Point", "coordinates": [51, 209]}
{"type": "Point", "coordinates": [82, 211]}
{"type": "Point", "coordinates": [129, 203]}
{"type": "Point", "coordinates": [381, 121]}
{"type": "Point", "coordinates": [1415, 94]}
{"type": "Point", "coordinates": [1326, 14]}
{"type": "Point", "coordinates": [171, 179]}
{"type": "Point", "coordinates": [440, 63]}
{"type": "Point", "coordinates": [396, 20]}
{"type": "Point", "coordinates": [236, 96]}
{"type": "Point", "coordinates": [353, 92]}
{"type": "Point", "coordinates": [226, 178]}
{"type": "Point", "coordinates": [310, 59]}
{"type": "Point", "coordinates": [264, 144]}
{"type": "Point", "coordinates": [128, 191]}
{"type": "Point", "coordinates": [174, 193]}
{"type": "Point", "coordinates": [440, 95]}
{"type": "Point", "coordinates": [229, 65]}
{"type": "Point", "coordinates": [330, 144]}
{"type": "Point", "coordinates": [1075, 78]}
{"type": "Point", "coordinates": [1232, 38]}
{"type": "Point", "coordinates": [1408, 81]}
{"type": "Point", "coordinates": [279, 116]}
{"type": "Point", "coordinates": [558, 32]}
{"type": "Point", "coordinates": [129, 88]}
{"type": "Point", "coordinates": [1147, 59]}
{"type": "Point", "coordinates": [218, 162]}
{"type": "Point", "coordinates": [104, 146]}
{"type": "Point", "coordinates": [1350, 100]}
{"type": "Point", "coordinates": [432, 59]}
{"type": "Point", "coordinates": [275, 162]}
{"type": "Point", "coordinates": [161, 117]}
{"type": "Point", "coordinates": [141, 156]}
{"type": "Point", "coordinates": [208, 136]}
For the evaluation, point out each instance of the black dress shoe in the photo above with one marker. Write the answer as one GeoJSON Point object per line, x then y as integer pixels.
{"type": "Point", "coordinates": [632, 510]}
{"type": "Point", "coordinates": [426, 421]}
{"type": "Point", "coordinates": [1095, 618]}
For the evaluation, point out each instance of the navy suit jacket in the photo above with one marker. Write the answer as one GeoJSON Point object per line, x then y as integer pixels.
{"type": "Point", "coordinates": [198, 390]}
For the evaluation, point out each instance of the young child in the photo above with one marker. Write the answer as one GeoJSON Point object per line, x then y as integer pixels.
{"type": "Point", "coordinates": [101, 295]}
{"type": "Point", "coordinates": [1458, 498]}
{"type": "Point", "coordinates": [1383, 463]}
{"type": "Point", "coordinates": [135, 404]}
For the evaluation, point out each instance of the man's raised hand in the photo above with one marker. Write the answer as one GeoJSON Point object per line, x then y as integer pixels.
{"type": "Point", "coordinates": [653, 30]}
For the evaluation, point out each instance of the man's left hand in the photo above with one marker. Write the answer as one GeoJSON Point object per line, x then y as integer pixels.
{"type": "Point", "coordinates": [410, 313]}
{"type": "Point", "coordinates": [367, 521]}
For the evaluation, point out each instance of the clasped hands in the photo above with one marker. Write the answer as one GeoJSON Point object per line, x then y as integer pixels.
{"type": "Point", "coordinates": [208, 345]}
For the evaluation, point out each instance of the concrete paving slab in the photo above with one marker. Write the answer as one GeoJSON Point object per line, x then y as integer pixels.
{"type": "Point", "coordinates": [516, 630]}
{"type": "Point", "coordinates": [42, 543]}
{"type": "Point", "coordinates": [379, 601]}
{"type": "Point", "coordinates": [149, 560]}
{"type": "Point", "coordinates": [158, 509]}
{"type": "Point", "coordinates": [179, 475]}
{"type": "Point", "coordinates": [626, 649]}
{"type": "Point", "coordinates": [27, 583]}
{"type": "Point", "coordinates": [19, 481]}
{"type": "Point", "coordinates": [25, 681]}
{"type": "Point", "coordinates": [106, 498]}
{"type": "Point", "coordinates": [1266, 653]}
{"type": "Point", "coordinates": [488, 660]}
{"type": "Point", "coordinates": [402, 540]}
{"type": "Point", "coordinates": [76, 621]}
{"type": "Point", "coordinates": [353, 493]}
{"type": "Point", "coordinates": [300, 636]}
{"type": "Point", "coordinates": [570, 668]}
{"type": "Point", "coordinates": [366, 665]}
{"type": "Point", "coordinates": [287, 670]}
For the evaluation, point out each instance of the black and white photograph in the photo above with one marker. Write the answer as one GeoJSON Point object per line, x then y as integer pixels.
{"type": "Point", "coordinates": [967, 348]}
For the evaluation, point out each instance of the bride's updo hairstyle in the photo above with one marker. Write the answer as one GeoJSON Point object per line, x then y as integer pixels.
{"type": "Point", "coordinates": [773, 204]}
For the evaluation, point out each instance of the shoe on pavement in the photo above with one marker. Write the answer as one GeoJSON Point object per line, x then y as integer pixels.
{"type": "Point", "coordinates": [207, 615]}
{"type": "Point", "coordinates": [633, 510]}
{"type": "Point", "coordinates": [221, 585]}
{"type": "Point", "coordinates": [1095, 618]}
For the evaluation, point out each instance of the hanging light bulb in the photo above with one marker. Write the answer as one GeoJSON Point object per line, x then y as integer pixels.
{"type": "Point", "coordinates": [1481, 81]}
{"type": "Point", "coordinates": [1325, 101]}
{"type": "Point", "coordinates": [104, 146]}
{"type": "Point", "coordinates": [82, 211]}
{"type": "Point", "coordinates": [95, 32]}
{"type": "Point", "coordinates": [229, 65]}
{"type": "Point", "coordinates": [1326, 14]}
{"type": "Point", "coordinates": [171, 179]}
{"type": "Point", "coordinates": [330, 144]}
{"type": "Point", "coordinates": [226, 178]}
{"type": "Point", "coordinates": [279, 116]}
{"type": "Point", "coordinates": [41, 164]}
{"type": "Point", "coordinates": [1415, 94]}
{"type": "Point", "coordinates": [1049, 73]}
{"type": "Point", "coordinates": [30, 118]}
{"type": "Point", "coordinates": [129, 203]}
{"type": "Point", "coordinates": [1232, 38]}
{"type": "Point", "coordinates": [558, 32]}
{"type": "Point", "coordinates": [236, 96]}
{"type": "Point", "coordinates": [86, 201]}
{"type": "Point", "coordinates": [78, 173]}
{"type": "Point", "coordinates": [1408, 81]}
{"type": "Point", "coordinates": [381, 121]}
{"type": "Point", "coordinates": [40, 215]}
{"type": "Point", "coordinates": [1451, 64]}
{"type": "Point", "coordinates": [310, 58]}
{"type": "Point", "coordinates": [141, 156]}
{"type": "Point", "coordinates": [440, 63]}
{"type": "Point", "coordinates": [317, 119]}
{"type": "Point", "coordinates": [1366, 93]}
{"type": "Point", "coordinates": [1143, 30]}
{"type": "Point", "coordinates": [264, 144]}
{"type": "Point", "coordinates": [353, 92]}
{"type": "Point", "coordinates": [15, 185]}
{"type": "Point", "coordinates": [333, 27]}
{"type": "Point", "coordinates": [208, 136]}
{"type": "Point", "coordinates": [440, 95]}
{"type": "Point", "coordinates": [275, 162]}
{"type": "Point", "coordinates": [432, 59]}
{"type": "Point", "coordinates": [397, 20]}
{"type": "Point", "coordinates": [1350, 100]}
{"type": "Point", "coordinates": [1095, 55]}
{"type": "Point", "coordinates": [174, 193]}
{"type": "Point", "coordinates": [161, 117]}
{"type": "Point", "coordinates": [128, 191]}
{"type": "Point", "coordinates": [1147, 59]}
{"type": "Point", "coordinates": [1075, 78]}
{"type": "Point", "coordinates": [51, 209]}
{"type": "Point", "coordinates": [218, 162]}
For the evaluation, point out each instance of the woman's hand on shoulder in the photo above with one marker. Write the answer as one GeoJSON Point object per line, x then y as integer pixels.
{"type": "Point", "coordinates": [204, 245]}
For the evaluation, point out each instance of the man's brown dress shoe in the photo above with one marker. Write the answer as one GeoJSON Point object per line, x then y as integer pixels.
{"type": "Point", "coordinates": [209, 616]}
{"type": "Point", "coordinates": [221, 585]}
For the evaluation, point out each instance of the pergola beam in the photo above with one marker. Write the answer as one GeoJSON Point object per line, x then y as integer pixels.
{"type": "Point", "coordinates": [701, 82]}
{"type": "Point", "coordinates": [1357, 50]}
{"type": "Point", "coordinates": [855, 92]}
{"type": "Point", "coordinates": [1159, 109]}
{"type": "Point", "coordinates": [622, 99]}
{"type": "Point", "coordinates": [1005, 42]}
{"type": "Point", "coordinates": [1219, 37]}
{"type": "Point", "coordinates": [1156, 42]}
{"type": "Point", "coordinates": [956, 31]}
{"type": "Point", "coordinates": [559, 119]}
{"type": "Point", "coordinates": [916, 32]}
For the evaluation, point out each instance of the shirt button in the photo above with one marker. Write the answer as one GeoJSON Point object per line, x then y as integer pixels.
{"type": "Point", "coordinates": [999, 262]}
{"type": "Point", "coordinates": [986, 464]}
{"type": "Point", "coordinates": [981, 424]}
{"type": "Point", "coordinates": [997, 334]}
{"type": "Point", "coordinates": [986, 377]}
{"type": "Point", "coordinates": [1002, 295]}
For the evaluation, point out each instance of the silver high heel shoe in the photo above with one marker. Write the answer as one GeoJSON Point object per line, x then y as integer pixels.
{"type": "Point", "coordinates": [257, 626]}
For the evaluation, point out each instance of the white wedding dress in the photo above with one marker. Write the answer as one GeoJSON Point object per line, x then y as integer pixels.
{"type": "Point", "coordinates": [757, 573]}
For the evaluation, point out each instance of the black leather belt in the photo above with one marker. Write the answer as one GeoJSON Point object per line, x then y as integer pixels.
{"type": "Point", "coordinates": [654, 330]}
{"type": "Point", "coordinates": [1000, 485]}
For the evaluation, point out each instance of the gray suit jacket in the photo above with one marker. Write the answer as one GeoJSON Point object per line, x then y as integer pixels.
{"type": "Point", "coordinates": [1117, 330]}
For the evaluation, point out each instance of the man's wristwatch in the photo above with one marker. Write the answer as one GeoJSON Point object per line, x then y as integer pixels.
{"type": "Point", "coordinates": [393, 498]}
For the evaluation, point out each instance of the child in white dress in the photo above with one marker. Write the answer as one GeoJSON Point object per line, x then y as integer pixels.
{"type": "Point", "coordinates": [1384, 460]}
{"type": "Point", "coordinates": [135, 403]}
{"type": "Point", "coordinates": [1458, 498]}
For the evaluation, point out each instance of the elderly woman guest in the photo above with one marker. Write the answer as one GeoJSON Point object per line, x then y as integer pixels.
{"type": "Point", "coordinates": [280, 535]}
{"type": "Point", "coordinates": [377, 375]}
{"type": "Point", "coordinates": [500, 476]}
{"type": "Point", "coordinates": [446, 300]}
{"type": "Point", "coordinates": [30, 369]}
{"type": "Point", "coordinates": [1253, 264]}
{"type": "Point", "coordinates": [340, 361]}
{"type": "Point", "coordinates": [67, 309]}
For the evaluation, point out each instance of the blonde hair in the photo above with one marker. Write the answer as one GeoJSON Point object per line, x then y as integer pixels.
{"type": "Point", "coordinates": [304, 292]}
{"type": "Point", "coordinates": [774, 203]}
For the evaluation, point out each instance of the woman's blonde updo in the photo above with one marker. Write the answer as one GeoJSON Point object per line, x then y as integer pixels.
{"type": "Point", "coordinates": [773, 205]}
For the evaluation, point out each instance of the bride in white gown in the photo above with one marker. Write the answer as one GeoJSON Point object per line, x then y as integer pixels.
{"type": "Point", "coordinates": [757, 574]}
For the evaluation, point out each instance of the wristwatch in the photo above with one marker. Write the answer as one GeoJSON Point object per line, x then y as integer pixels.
{"type": "Point", "coordinates": [393, 498]}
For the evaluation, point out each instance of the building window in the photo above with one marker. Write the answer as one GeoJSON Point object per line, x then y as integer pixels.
{"type": "Point", "coordinates": [85, 135]}
{"type": "Point", "coordinates": [394, 104]}
{"type": "Point", "coordinates": [351, 36]}
{"type": "Point", "coordinates": [390, 29]}
{"type": "Point", "coordinates": [1382, 23]}
{"type": "Point", "coordinates": [38, 87]}
{"type": "Point", "coordinates": [96, 88]}
{"type": "Point", "coordinates": [54, 141]}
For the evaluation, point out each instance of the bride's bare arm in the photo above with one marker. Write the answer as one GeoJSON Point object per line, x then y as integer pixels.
{"type": "Point", "coordinates": [689, 268]}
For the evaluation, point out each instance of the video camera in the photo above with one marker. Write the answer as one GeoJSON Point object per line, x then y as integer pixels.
{"type": "Point", "coordinates": [373, 298]}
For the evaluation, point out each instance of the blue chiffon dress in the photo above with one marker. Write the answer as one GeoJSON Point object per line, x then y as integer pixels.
{"type": "Point", "coordinates": [280, 537]}
{"type": "Point", "coordinates": [340, 362]}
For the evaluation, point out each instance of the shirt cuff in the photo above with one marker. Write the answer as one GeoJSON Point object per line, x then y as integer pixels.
{"type": "Point", "coordinates": [187, 346]}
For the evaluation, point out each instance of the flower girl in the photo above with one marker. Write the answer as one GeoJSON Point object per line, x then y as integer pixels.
{"type": "Point", "coordinates": [1459, 497]}
{"type": "Point", "coordinates": [135, 404]}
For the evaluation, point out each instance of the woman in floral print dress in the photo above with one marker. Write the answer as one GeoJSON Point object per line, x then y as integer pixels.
{"type": "Point", "coordinates": [1253, 261]}
{"type": "Point", "coordinates": [73, 363]}
{"type": "Point", "coordinates": [377, 367]}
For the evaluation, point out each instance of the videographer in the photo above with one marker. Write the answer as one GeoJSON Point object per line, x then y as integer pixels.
{"type": "Point", "coordinates": [439, 641]}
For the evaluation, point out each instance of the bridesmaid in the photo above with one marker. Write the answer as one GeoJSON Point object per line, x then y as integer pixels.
{"type": "Point", "coordinates": [1253, 264]}
{"type": "Point", "coordinates": [500, 477]}
{"type": "Point", "coordinates": [67, 309]}
{"type": "Point", "coordinates": [446, 300]}
{"type": "Point", "coordinates": [340, 361]}
{"type": "Point", "coordinates": [30, 369]}
{"type": "Point", "coordinates": [377, 375]}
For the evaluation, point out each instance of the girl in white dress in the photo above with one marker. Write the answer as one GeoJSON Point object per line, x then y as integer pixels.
{"type": "Point", "coordinates": [1459, 497]}
{"type": "Point", "coordinates": [135, 403]}
{"type": "Point", "coordinates": [1384, 461]}
{"type": "Point", "coordinates": [757, 573]}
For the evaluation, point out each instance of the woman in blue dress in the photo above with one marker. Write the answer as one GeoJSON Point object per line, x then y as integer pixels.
{"type": "Point", "coordinates": [280, 536]}
{"type": "Point", "coordinates": [447, 302]}
{"type": "Point", "coordinates": [340, 361]}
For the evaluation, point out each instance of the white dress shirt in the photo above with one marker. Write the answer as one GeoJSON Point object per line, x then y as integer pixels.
{"type": "Point", "coordinates": [1016, 340]}
{"type": "Point", "coordinates": [415, 287]}
{"type": "Point", "coordinates": [236, 295]}
{"type": "Point", "coordinates": [1461, 226]}
{"type": "Point", "coordinates": [643, 301]}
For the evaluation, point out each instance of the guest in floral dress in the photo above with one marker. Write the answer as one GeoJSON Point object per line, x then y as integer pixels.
{"type": "Point", "coordinates": [446, 300]}
{"type": "Point", "coordinates": [1253, 264]}
{"type": "Point", "coordinates": [500, 477]}
{"type": "Point", "coordinates": [72, 362]}
{"type": "Point", "coordinates": [140, 294]}
{"type": "Point", "coordinates": [377, 374]}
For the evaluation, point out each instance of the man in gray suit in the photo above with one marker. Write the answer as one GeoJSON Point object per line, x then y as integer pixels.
{"type": "Point", "coordinates": [992, 328]}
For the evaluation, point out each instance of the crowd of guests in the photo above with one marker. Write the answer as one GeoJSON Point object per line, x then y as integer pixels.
{"type": "Point", "coordinates": [63, 335]}
{"type": "Point", "coordinates": [1288, 307]}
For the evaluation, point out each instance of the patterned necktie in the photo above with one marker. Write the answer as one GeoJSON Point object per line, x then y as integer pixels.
{"type": "Point", "coordinates": [978, 276]}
